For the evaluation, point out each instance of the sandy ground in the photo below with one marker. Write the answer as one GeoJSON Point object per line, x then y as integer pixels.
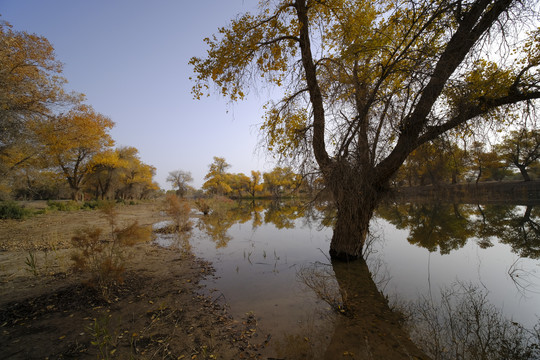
{"type": "Point", "coordinates": [50, 312]}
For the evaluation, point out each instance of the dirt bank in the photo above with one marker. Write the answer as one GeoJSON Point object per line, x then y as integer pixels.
{"type": "Point", "coordinates": [46, 311]}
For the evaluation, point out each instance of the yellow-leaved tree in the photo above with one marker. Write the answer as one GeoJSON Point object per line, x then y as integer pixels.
{"type": "Point", "coordinates": [70, 141]}
{"type": "Point", "coordinates": [31, 85]}
{"type": "Point", "coordinates": [217, 181]}
{"type": "Point", "coordinates": [367, 82]}
{"type": "Point", "coordinates": [106, 169]}
{"type": "Point", "coordinates": [136, 177]}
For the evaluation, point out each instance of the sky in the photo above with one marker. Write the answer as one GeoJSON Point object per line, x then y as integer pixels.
{"type": "Point", "coordinates": [130, 59]}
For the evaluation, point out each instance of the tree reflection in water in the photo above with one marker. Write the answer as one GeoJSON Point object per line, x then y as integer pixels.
{"type": "Point", "coordinates": [365, 327]}
{"type": "Point", "coordinates": [225, 214]}
{"type": "Point", "coordinates": [462, 325]}
{"type": "Point", "coordinates": [448, 227]}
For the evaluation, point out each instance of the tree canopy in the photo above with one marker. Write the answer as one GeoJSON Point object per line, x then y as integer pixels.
{"type": "Point", "coordinates": [48, 135]}
{"type": "Point", "coordinates": [31, 84]}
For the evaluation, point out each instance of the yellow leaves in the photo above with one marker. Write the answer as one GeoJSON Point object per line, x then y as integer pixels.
{"type": "Point", "coordinates": [108, 159]}
{"type": "Point", "coordinates": [80, 130]}
{"type": "Point", "coordinates": [484, 82]}
{"type": "Point", "coordinates": [250, 45]}
{"type": "Point", "coordinates": [488, 79]}
{"type": "Point", "coordinates": [531, 49]}
{"type": "Point", "coordinates": [285, 129]}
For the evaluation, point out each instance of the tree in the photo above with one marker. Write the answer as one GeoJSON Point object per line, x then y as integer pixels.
{"type": "Point", "coordinates": [436, 161]}
{"type": "Point", "coordinates": [369, 82]}
{"type": "Point", "coordinates": [281, 180]}
{"type": "Point", "coordinates": [495, 167]}
{"type": "Point", "coordinates": [180, 179]}
{"type": "Point", "coordinates": [239, 183]}
{"type": "Point", "coordinates": [105, 171]}
{"type": "Point", "coordinates": [478, 159]}
{"type": "Point", "coordinates": [254, 185]}
{"type": "Point", "coordinates": [521, 149]}
{"type": "Point", "coordinates": [216, 178]}
{"type": "Point", "coordinates": [30, 85]}
{"type": "Point", "coordinates": [71, 140]}
{"type": "Point", "coordinates": [136, 179]}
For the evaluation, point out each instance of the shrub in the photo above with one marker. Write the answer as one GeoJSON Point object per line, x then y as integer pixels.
{"type": "Point", "coordinates": [63, 205]}
{"type": "Point", "coordinates": [104, 256]}
{"type": "Point", "coordinates": [91, 205]}
{"type": "Point", "coordinates": [203, 206]}
{"type": "Point", "coordinates": [12, 210]}
{"type": "Point", "coordinates": [179, 211]}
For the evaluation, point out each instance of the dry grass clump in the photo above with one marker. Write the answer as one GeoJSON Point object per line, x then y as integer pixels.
{"type": "Point", "coordinates": [103, 256]}
{"type": "Point", "coordinates": [179, 211]}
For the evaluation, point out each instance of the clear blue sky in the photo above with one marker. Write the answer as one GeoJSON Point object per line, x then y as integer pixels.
{"type": "Point", "coordinates": [130, 59]}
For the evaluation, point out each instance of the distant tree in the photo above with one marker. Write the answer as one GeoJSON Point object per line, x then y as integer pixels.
{"type": "Point", "coordinates": [434, 162]}
{"type": "Point", "coordinates": [477, 159]}
{"type": "Point", "coordinates": [254, 185]}
{"type": "Point", "coordinates": [106, 167]}
{"type": "Point", "coordinates": [281, 180]}
{"type": "Point", "coordinates": [33, 183]}
{"type": "Point", "coordinates": [239, 183]}
{"type": "Point", "coordinates": [71, 140]}
{"type": "Point", "coordinates": [136, 178]}
{"type": "Point", "coordinates": [495, 167]}
{"type": "Point", "coordinates": [521, 149]}
{"type": "Point", "coordinates": [216, 179]}
{"type": "Point", "coordinates": [180, 180]}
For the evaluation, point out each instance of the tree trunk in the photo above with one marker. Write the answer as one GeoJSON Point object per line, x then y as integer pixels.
{"type": "Point", "coordinates": [524, 173]}
{"type": "Point", "coordinates": [355, 197]}
{"type": "Point", "coordinates": [351, 228]}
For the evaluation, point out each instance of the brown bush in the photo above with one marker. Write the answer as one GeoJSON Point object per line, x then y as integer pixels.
{"type": "Point", "coordinates": [103, 257]}
{"type": "Point", "coordinates": [179, 211]}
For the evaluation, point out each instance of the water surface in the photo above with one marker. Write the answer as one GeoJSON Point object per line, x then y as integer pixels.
{"type": "Point", "coordinates": [271, 263]}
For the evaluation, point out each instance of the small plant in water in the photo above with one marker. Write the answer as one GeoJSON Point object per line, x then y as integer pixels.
{"type": "Point", "coordinates": [179, 211]}
{"type": "Point", "coordinates": [203, 206]}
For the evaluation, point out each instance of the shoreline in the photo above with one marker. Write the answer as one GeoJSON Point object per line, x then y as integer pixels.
{"type": "Point", "coordinates": [157, 310]}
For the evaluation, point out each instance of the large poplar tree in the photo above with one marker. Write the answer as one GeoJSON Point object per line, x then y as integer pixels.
{"type": "Point", "coordinates": [367, 82]}
{"type": "Point", "coordinates": [31, 86]}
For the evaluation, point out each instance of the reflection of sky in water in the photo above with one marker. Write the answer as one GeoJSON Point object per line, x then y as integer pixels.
{"type": "Point", "coordinates": [257, 271]}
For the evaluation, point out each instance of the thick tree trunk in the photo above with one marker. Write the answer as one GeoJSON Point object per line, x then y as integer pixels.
{"type": "Point", "coordinates": [351, 228]}
{"type": "Point", "coordinates": [524, 173]}
{"type": "Point", "coordinates": [355, 197]}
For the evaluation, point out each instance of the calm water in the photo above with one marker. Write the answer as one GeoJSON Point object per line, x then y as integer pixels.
{"type": "Point", "coordinates": [271, 262]}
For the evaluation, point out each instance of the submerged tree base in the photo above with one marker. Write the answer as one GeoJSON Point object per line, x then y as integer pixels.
{"type": "Point", "coordinates": [343, 256]}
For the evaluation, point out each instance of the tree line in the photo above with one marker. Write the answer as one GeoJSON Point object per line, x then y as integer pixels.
{"type": "Point", "coordinates": [278, 183]}
{"type": "Point", "coordinates": [443, 161]}
{"type": "Point", "coordinates": [52, 144]}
